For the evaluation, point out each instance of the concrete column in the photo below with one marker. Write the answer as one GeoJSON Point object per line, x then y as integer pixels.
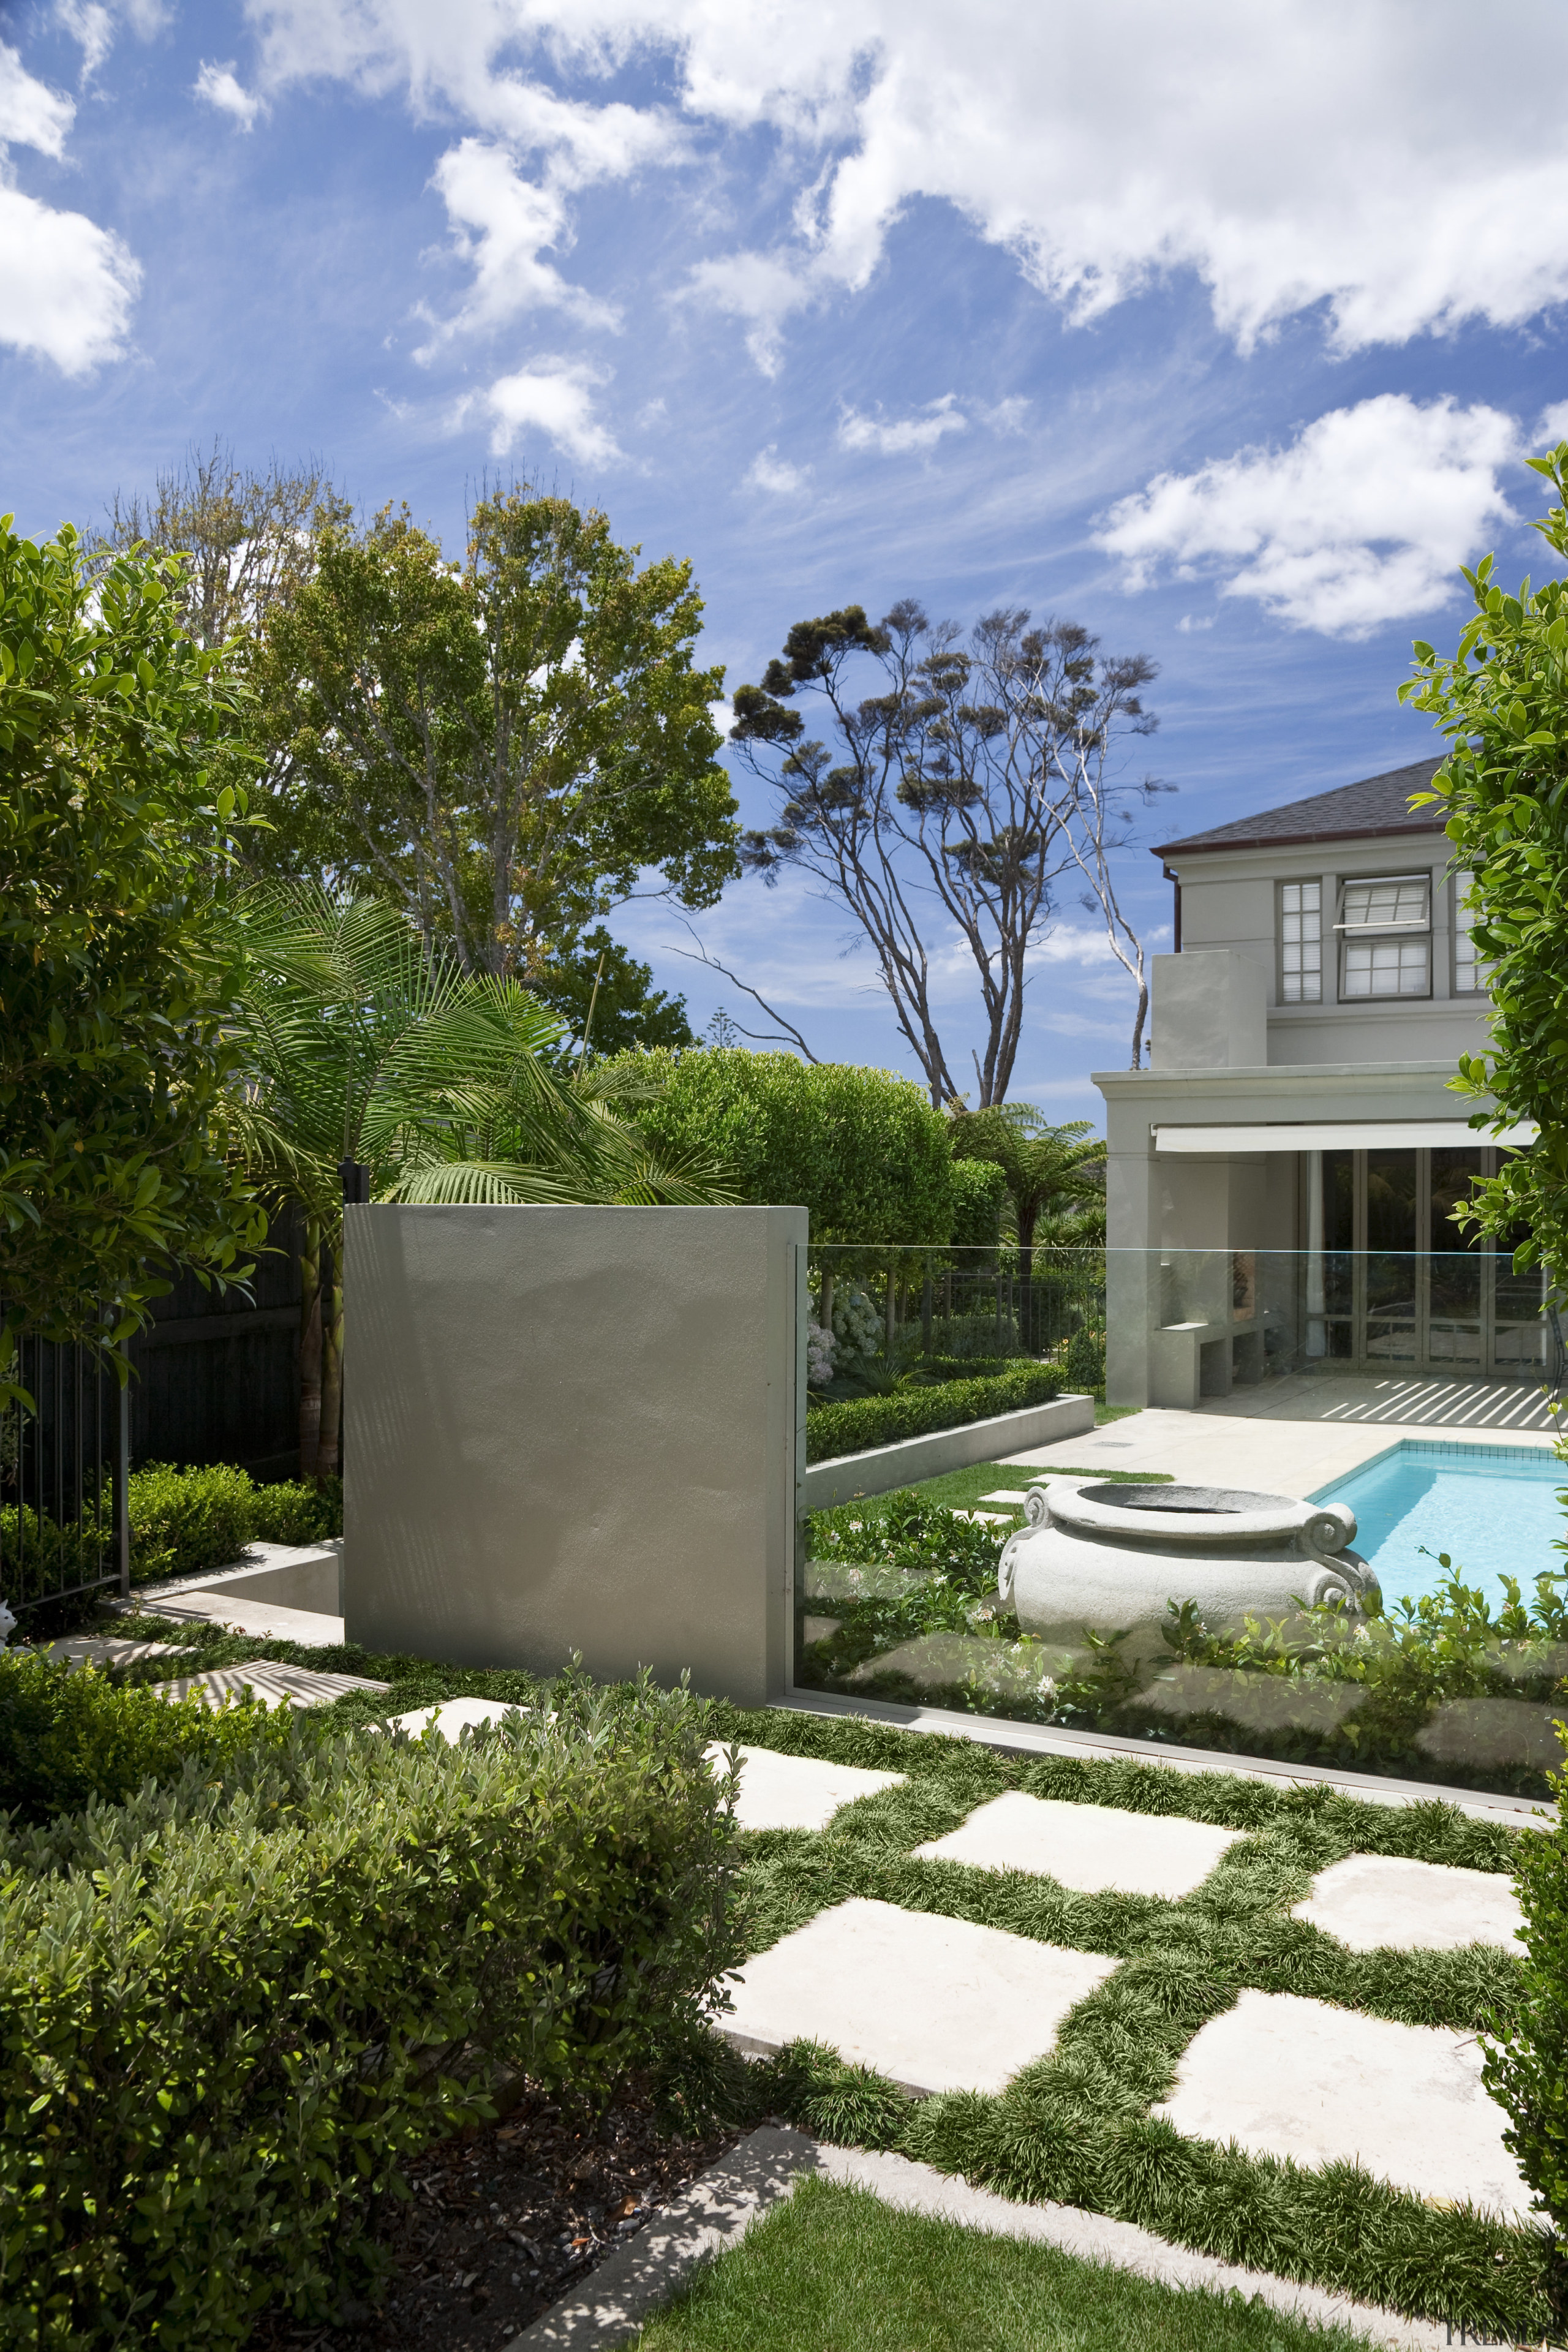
{"type": "Point", "coordinates": [575, 1429]}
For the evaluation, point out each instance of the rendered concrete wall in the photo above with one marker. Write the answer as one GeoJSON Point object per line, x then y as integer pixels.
{"type": "Point", "coordinates": [1210, 1011]}
{"type": "Point", "coordinates": [881, 1468]}
{"type": "Point", "coordinates": [574, 1429]}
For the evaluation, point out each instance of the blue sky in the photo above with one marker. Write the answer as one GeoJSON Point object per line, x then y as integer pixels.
{"type": "Point", "coordinates": [1223, 330]}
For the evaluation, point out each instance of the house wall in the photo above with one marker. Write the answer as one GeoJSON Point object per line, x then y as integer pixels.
{"type": "Point", "coordinates": [575, 1429]}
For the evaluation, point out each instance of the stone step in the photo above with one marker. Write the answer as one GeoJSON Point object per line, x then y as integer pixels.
{"type": "Point", "coordinates": [1090, 1848]}
{"type": "Point", "coordinates": [1010, 1498]}
{"type": "Point", "coordinates": [267, 1679]}
{"type": "Point", "coordinates": [99, 1650]}
{"type": "Point", "coordinates": [1373, 1901]}
{"type": "Point", "coordinates": [795, 1792]}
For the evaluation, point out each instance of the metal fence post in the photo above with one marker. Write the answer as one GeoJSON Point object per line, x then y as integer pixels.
{"type": "Point", "coordinates": [122, 1490]}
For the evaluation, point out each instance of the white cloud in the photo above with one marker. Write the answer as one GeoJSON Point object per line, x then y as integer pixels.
{"type": "Point", "coordinates": [555, 397]}
{"type": "Point", "coordinates": [1550, 426]}
{"type": "Point", "coordinates": [66, 285]}
{"type": "Point", "coordinates": [31, 114]}
{"type": "Point", "coordinates": [1307, 156]}
{"type": "Point", "coordinates": [1191, 622]}
{"type": "Point", "coordinates": [501, 224]}
{"type": "Point", "coordinates": [769, 471]}
{"type": "Point", "coordinates": [92, 24]}
{"type": "Point", "coordinates": [220, 87]}
{"type": "Point", "coordinates": [1365, 517]}
{"type": "Point", "coordinates": [897, 440]}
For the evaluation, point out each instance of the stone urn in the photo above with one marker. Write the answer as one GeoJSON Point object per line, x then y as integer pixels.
{"type": "Point", "coordinates": [1112, 1556]}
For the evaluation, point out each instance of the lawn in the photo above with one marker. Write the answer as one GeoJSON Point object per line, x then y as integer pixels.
{"type": "Point", "coordinates": [832, 2268]}
{"type": "Point", "coordinates": [961, 1490]}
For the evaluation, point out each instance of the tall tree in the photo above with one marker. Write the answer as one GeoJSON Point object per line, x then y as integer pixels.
{"type": "Point", "coordinates": [504, 747]}
{"type": "Point", "coordinates": [246, 538]}
{"type": "Point", "coordinates": [956, 795]}
{"type": "Point", "coordinates": [358, 1044]}
{"type": "Point", "coordinates": [1501, 698]}
{"type": "Point", "coordinates": [116, 980]}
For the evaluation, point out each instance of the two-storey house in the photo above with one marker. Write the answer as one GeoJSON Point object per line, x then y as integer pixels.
{"type": "Point", "coordinates": [1279, 1180]}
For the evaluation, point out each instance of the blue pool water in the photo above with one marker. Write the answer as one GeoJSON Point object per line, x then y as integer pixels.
{"type": "Point", "coordinates": [1492, 1508]}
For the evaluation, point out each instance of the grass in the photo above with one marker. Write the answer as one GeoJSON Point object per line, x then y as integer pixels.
{"type": "Point", "coordinates": [960, 1490]}
{"type": "Point", "coordinates": [832, 2267]}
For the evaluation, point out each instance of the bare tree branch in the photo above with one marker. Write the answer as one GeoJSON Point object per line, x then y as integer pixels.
{"type": "Point", "coordinates": [781, 1027]}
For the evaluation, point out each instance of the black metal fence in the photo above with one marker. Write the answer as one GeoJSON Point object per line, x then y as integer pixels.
{"type": "Point", "coordinates": [63, 1477]}
{"type": "Point", "coordinates": [943, 1311]}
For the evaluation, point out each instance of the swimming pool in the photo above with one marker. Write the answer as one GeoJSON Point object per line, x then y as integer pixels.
{"type": "Point", "coordinates": [1492, 1508]}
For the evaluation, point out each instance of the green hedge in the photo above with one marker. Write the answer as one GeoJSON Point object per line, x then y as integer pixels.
{"type": "Point", "coordinates": [1527, 2069]}
{"type": "Point", "coordinates": [184, 1522]}
{"type": "Point", "coordinates": [230, 2011]}
{"type": "Point", "coordinates": [66, 1738]}
{"type": "Point", "coordinates": [860, 1423]}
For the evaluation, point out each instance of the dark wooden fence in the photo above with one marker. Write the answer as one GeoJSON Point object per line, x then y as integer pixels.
{"type": "Point", "coordinates": [217, 1378]}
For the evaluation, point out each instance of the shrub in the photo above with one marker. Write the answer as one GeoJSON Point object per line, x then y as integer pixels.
{"type": "Point", "coordinates": [1526, 2069]}
{"type": "Point", "coordinates": [67, 1738]}
{"type": "Point", "coordinates": [229, 2013]}
{"type": "Point", "coordinates": [1085, 1362]}
{"type": "Point", "coordinates": [183, 1522]}
{"type": "Point", "coordinates": [979, 1189]}
{"type": "Point", "coordinates": [294, 1512]}
{"type": "Point", "coordinates": [833, 1430]}
{"type": "Point", "coordinates": [862, 1150]}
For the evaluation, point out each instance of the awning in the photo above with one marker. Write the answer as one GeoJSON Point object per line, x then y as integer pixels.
{"type": "Point", "coordinates": [1337, 1134]}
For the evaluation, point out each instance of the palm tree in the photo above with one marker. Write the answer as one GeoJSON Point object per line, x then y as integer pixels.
{"type": "Point", "coordinates": [360, 1048]}
{"type": "Point", "coordinates": [1048, 1168]}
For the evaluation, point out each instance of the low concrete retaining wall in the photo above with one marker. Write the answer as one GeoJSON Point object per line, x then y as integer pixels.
{"type": "Point", "coordinates": [288, 1576]}
{"type": "Point", "coordinates": [878, 1471]}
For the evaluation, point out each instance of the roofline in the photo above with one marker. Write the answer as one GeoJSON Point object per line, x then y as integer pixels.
{"type": "Point", "coordinates": [1198, 845]}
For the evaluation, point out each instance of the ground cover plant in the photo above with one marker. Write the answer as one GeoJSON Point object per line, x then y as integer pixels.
{"type": "Point", "coordinates": [254, 1992]}
{"type": "Point", "coordinates": [833, 2265]}
{"type": "Point", "coordinates": [1076, 2126]}
{"type": "Point", "coordinates": [908, 1594]}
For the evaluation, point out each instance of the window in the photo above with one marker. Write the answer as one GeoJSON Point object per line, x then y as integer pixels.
{"type": "Point", "coordinates": [1300, 943]}
{"type": "Point", "coordinates": [1385, 928]}
{"type": "Point", "coordinates": [1470, 974]}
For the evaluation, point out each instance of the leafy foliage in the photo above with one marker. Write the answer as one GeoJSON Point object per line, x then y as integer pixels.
{"type": "Point", "coordinates": [502, 744]}
{"type": "Point", "coordinates": [1502, 700]}
{"type": "Point", "coordinates": [67, 1739]}
{"type": "Point", "coordinates": [861, 1150]}
{"type": "Point", "coordinates": [1044, 1168]}
{"type": "Point", "coordinates": [115, 978]}
{"type": "Point", "coordinates": [979, 1189]}
{"type": "Point", "coordinates": [858, 1423]}
{"type": "Point", "coordinates": [1526, 2068]}
{"type": "Point", "coordinates": [182, 1521]}
{"type": "Point", "coordinates": [230, 2008]}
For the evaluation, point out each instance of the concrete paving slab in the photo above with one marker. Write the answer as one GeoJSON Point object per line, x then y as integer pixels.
{"type": "Point", "coordinates": [985, 1519]}
{"type": "Point", "coordinates": [1120, 2245]}
{"type": "Point", "coordinates": [819, 1629]}
{"type": "Point", "coordinates": [1265, 1703]}
{"type": "Point", "coordinates": [1088, 1847]}
{"type": "Point", "coordinates": [1373, 1900]}
{"type": "Point", "coordinates": [96, 1650]}
{"type": "Point", "coordinates": [933, 1660]}
{"type": "Point", "coordinates": [1287, 2077]}
{"type": "Point", "coordinates": [934, 2004]}
{"type": "Point", "coordinates": [796, 1792]}
{"type": "Point", "coordinates": [1491, 1734]}
{"type": "Point", "coordinates": [267, 1679]}
{"type": "Point", "coordinates": [714, 2213]}
{"type": "Point", "coordinates": [1012, 1497]}
{"type": "Point", "coordinates": [452, 1718]}
{"type": "Point", "coordinates": [261, 1621]}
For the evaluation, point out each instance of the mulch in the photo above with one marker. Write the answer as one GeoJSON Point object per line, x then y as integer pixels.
{"type": "Point", "coordinates": [505, 2220]}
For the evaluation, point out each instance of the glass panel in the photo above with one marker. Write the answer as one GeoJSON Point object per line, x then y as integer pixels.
{"type": "Point", "coordinates": [1339, 1240]}
{"type": "Point", "coordinates": [1455, 1332]}
{"type": "Point", "coordinates": [1470, 974]}
{"type": "Point", "coordinates": [1300, 943]}
{"type": "Point", "coordinates": [1388, 967]}
{"type": "Point", "coordinates": [1373, 906]}
{"type": "Point", "coordinates": [1391, 1262]}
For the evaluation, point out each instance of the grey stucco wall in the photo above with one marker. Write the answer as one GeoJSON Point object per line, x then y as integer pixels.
{"type": "Point", "coordinates": [574, 1429]}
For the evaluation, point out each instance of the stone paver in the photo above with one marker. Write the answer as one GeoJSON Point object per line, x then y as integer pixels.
{"type": "Point", "coordinates": [266, 1678]}
{"type": "Point", "coordinates": [1287, 2077]}
{"type": "Point", "coordinates": [1490, 1734]}
{"type": "Point", "coordinates": [930, 1660]}
{"type": "Point", "coordinates": [985, 1519]}
{"type": "Point", "coordinates": [1012, 1498]}
{"type": "Point", "coordinates": [796, 1792]}
{"type": "Point", "coordinates": [262, 1620]}
{"type": "Point", "coordinates": [1370, 1900]}
{"type": "Point", "coordinates": [451, 1718]}
{"type": "Point", "coordinates": [95, 1650]}
{"type": "Point", "coordinates": [1088, 1847]}
{"type": "Point", "coordinates": [819, 1629]}
{"type": "Point", "coordinates": [934, 2004]}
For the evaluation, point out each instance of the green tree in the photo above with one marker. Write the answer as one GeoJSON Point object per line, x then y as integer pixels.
{"type": "Point", "coordinates": [502, 747]}
{"type": "Point", "coordinates": [359, 1044]}
{"type": "Point", "coordinates": [1502, 700]}
{"type": "Point", "coordinates": [862, 1150]}
{"type": "Point", "coordinates": [115, 979]}
{"type": "Point", "coordinates": [1046, 1167]}
{"type": "Point", "coordinates": [601, 989]}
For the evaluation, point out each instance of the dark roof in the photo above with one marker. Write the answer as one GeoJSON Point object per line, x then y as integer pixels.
{"type": "Point", "coordinates": [1378, 804]}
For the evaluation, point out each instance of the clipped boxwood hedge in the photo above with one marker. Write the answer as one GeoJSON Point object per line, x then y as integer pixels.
{"type": "Point", "coordinates": [231, 2009]}
{"type": "Point", "coordinates": [860, 1423]}
{"type": "Point", "coordinates": [187, 1522]}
